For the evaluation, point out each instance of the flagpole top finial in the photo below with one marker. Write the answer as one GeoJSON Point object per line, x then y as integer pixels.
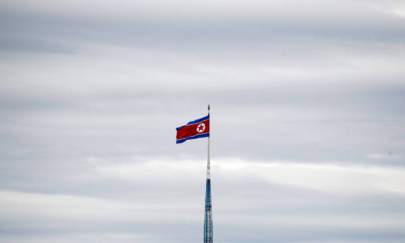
{"type": "Point", "coordinates": [208, 106]}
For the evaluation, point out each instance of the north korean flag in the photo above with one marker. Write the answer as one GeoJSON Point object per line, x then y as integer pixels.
{"type": "Point", "coordinates": [195, 129]}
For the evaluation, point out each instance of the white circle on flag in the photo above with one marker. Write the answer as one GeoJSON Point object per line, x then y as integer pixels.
{"type": "Point", "coordinates": [201, 128]}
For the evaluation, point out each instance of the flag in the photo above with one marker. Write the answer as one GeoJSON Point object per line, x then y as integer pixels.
{"type": "Point", "coordinates": [195, 129]}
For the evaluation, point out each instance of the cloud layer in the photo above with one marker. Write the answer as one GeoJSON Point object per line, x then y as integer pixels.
{"type": "Point", "coordinates": [307, 120]}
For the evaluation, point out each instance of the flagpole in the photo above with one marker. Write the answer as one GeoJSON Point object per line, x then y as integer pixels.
{"type": "Point", "coordinates": [208, 152]}
{"type": "Point", "coordinates": [208, 226]}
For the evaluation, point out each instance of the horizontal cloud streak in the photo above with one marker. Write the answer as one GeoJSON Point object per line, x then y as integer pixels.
{"type": "Point", "coordinates": [263, 199]}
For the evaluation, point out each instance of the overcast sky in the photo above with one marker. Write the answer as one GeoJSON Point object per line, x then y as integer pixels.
{"type": "Point", "coordinates": [307, 122]}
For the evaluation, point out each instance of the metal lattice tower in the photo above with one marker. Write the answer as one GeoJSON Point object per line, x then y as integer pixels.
{"type": "Point", "coordinates": [208, 227]}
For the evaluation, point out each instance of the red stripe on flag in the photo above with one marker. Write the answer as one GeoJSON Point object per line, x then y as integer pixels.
{"type": "Point", "coordinates": [193, 129]}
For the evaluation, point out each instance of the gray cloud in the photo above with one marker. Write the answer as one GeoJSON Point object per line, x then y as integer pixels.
{"type": "Point", "coordinates": [307, 120]}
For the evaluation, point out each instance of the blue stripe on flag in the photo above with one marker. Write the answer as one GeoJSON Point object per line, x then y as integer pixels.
{"type": "Point", "coordinates": [193, 137]}
{"type": "Point", "coordinates": [199, 120]}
